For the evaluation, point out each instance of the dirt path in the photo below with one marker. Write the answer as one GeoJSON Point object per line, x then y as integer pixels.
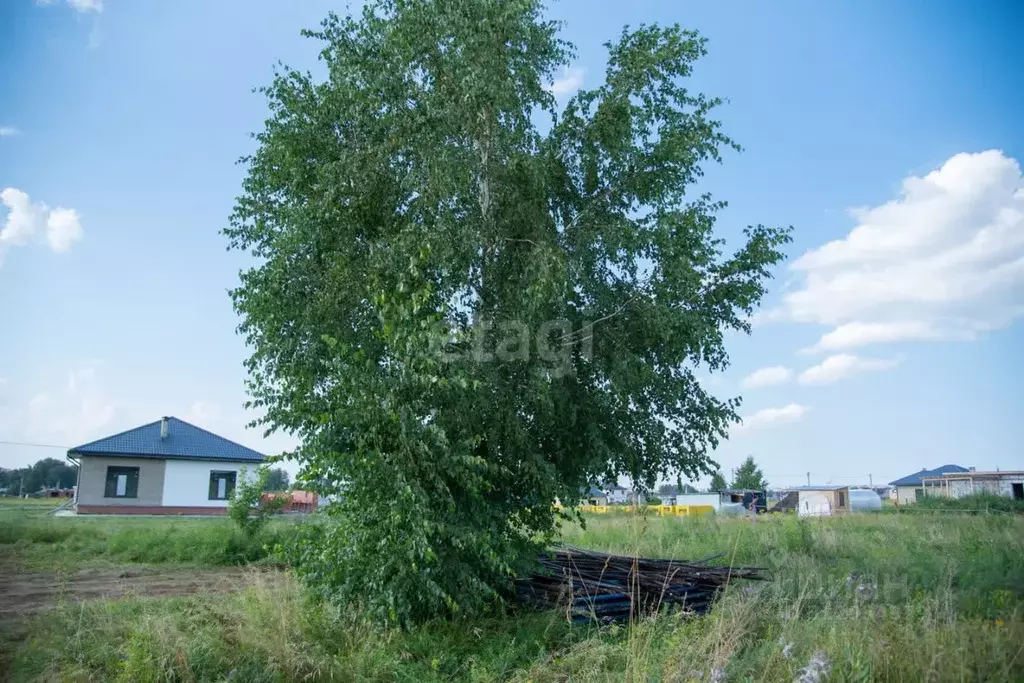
{"type": "Point", "coordinates": [23, 594]}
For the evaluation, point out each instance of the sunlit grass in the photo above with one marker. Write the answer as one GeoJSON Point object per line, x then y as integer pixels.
{"type": "Point", "coordinates": [866, 598]}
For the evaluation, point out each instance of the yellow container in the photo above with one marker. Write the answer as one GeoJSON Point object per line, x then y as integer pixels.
{"type": "Point", "coordinates": [680, 510]}
{"type": "Point", "coordinates": [698, 510]}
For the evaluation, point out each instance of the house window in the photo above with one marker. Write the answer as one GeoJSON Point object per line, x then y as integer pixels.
{"type": "Point", "coordinates": [222, 485]}
{"type": "Point", "coordinates": [122, 482]}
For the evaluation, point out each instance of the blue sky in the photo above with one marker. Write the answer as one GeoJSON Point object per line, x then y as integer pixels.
{"type": "Point", "coordinates": [894, 348]}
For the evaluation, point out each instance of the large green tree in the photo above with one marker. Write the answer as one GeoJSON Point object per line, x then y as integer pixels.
{"type": "Point", "coordinates": [276, 480]}
{"type": "Point", "coordinates": [469, 301]}
{"type": "Point", "coordinates": [45, 473]}
{"type": "Point", "coordinates": [749, 476]}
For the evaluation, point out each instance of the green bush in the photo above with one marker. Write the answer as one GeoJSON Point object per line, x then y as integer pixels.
{"type": "Point", "coordinates": [977, 503]}
{"type": "Point", "coordinates": [44, 542]}
{"type": "Point", "coordinates": [248, 508]}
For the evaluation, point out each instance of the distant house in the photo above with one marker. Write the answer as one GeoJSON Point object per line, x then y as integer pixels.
{"type": "Point", "coordinates": [617, 495]}
{"type": "Point", "coordinates": [751, 499]}
{"type": "Point", "coordinates": [911, 487]}
{"type": "Point", "coordinates": [712, 499]}
{"type": "Point", "coordinates": [1008, 483]}
{"type": "Point", "coordinates": [816, 501]}
{"type": "Point", "coordinates": [167, 467]}
{"type": "Point", "coordinates": [636, 498]}
{"type": "Point", "coordinates": [594, 496]}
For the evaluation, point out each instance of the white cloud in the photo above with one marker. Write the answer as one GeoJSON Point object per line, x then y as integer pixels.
{"type": "Point", "coordinates": [570, 82]}
{"type": "Point", "coordinates": [793, 412]}
{"type": "Point", "coordinates": [26, 220]}
{"type": "Point", "coordinates": [766, 377]}
{"type": "Point", "coordinates": [841, 366]}
{"type": "Point", "coordinates": [63, 228]}
{"type": "Point", "coordinates": [8, 131]}
{"type": "Point", "coordinates": [852, 335]}
{"type": "Point", "coordinates": [23, 217]}
{"type": "Point", "coordinates": [86, 5]}
{"type": "Point", "coordinates": [64, 415]}
{"type": "Point", "coordinates": [82, 6]}
{"type": "Point", "coordinates": [944, 260]}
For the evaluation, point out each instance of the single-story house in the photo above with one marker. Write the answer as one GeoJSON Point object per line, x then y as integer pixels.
{"type": "Point", "coordinates": [1008, 483]}
{"type": "Point", "coordinates": [815, 501]}
{"type": "Point", "coordinates": [594, 496]}
{"type": "Point", "coordinates": [617, 495]}
{"type": "Point", "coordinates": [167, 467]}
{"type": "Point", "coordinates": [911, 487]}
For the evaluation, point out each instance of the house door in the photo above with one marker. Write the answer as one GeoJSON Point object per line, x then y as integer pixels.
{"type": "Point", "coordinates": [1018, 491]}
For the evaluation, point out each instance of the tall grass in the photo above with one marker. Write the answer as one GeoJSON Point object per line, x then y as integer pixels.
{"type": "Point", "coordinates": [44, 542]}
{"type": "Point", "coordinates": [867, 598]}
{"type": "Point", "coordinates": [979, 503]}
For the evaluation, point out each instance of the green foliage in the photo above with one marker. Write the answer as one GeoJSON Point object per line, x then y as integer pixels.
{"type": "Point", "coordinates": [718, 482]}
{"type": "Point", "coordinates": [666, 490]}
{"type": "Point", "coordinates": [46, 473]}
{"type": "Point", "coordinates": [748, 476]}
{"type": "Point", "coordinates": [40, 542]}
{"type": "Point", "coordinates": [277, 480]}
{"type": "Point", "coordinates": [977, 503]}
{"type": "Point", "coordinates": [465, 317]}
{"type": "Point", "coordinates": [248, 508]}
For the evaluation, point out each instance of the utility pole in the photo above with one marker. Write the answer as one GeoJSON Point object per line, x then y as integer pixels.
{"type": "Point", "coordinates": [871, 484]}
{"type": "Point", "coordinates": [808, 478]}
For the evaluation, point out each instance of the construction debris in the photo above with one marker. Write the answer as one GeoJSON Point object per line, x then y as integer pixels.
{"type": "Point", "coordinates": [606, 588]}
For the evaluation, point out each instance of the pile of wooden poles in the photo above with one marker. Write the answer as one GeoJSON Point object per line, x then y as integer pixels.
{"type": "Point", "coordinates": [606, 588]}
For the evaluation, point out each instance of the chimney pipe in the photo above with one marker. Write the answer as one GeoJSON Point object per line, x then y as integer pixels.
{"type": "Point", "coordinates": [163, 428]}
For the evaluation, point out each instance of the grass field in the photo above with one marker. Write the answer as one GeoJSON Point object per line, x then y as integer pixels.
{"type": "Point", "coordinates": [880, 597]}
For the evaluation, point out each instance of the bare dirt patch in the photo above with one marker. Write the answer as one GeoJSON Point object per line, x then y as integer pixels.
{"type": "Point", "coordinates": [23, 594]}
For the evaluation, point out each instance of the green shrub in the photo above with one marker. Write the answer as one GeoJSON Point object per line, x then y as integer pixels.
{"type": "Point", "coordinates": [975, 504]}
{"type": "Point", "coordinates": [44, 543]}
{"type": "Point", "coordinates": [248, 508]}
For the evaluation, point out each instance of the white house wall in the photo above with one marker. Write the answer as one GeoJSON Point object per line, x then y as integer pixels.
{"type": "Point", "coordinates": [1003, 486]}
{"type": "Point", "coordinates": [187, 482]}
{"type": "Point", "coordinates": [815, 504]}
{"type": "Point", "coordinates": [958, 488]}
{"type": "Point", "coordinates": [906, 495]}
{"type": "Point", "coordinates": [712, 499]}
{"type": "Point", "coordinates": [617, 496]}
{"type": "Point", "coordinates": [1006, 484]}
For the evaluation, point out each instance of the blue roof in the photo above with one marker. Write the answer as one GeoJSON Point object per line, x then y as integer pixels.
{"type": "Point", "coordinates": [915, 479]}
{"type": "Point", "coordinates": [184, 441]}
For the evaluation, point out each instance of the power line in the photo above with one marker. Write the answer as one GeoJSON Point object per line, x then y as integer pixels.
{"type": "Point", "coordinates": [34, 445]}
